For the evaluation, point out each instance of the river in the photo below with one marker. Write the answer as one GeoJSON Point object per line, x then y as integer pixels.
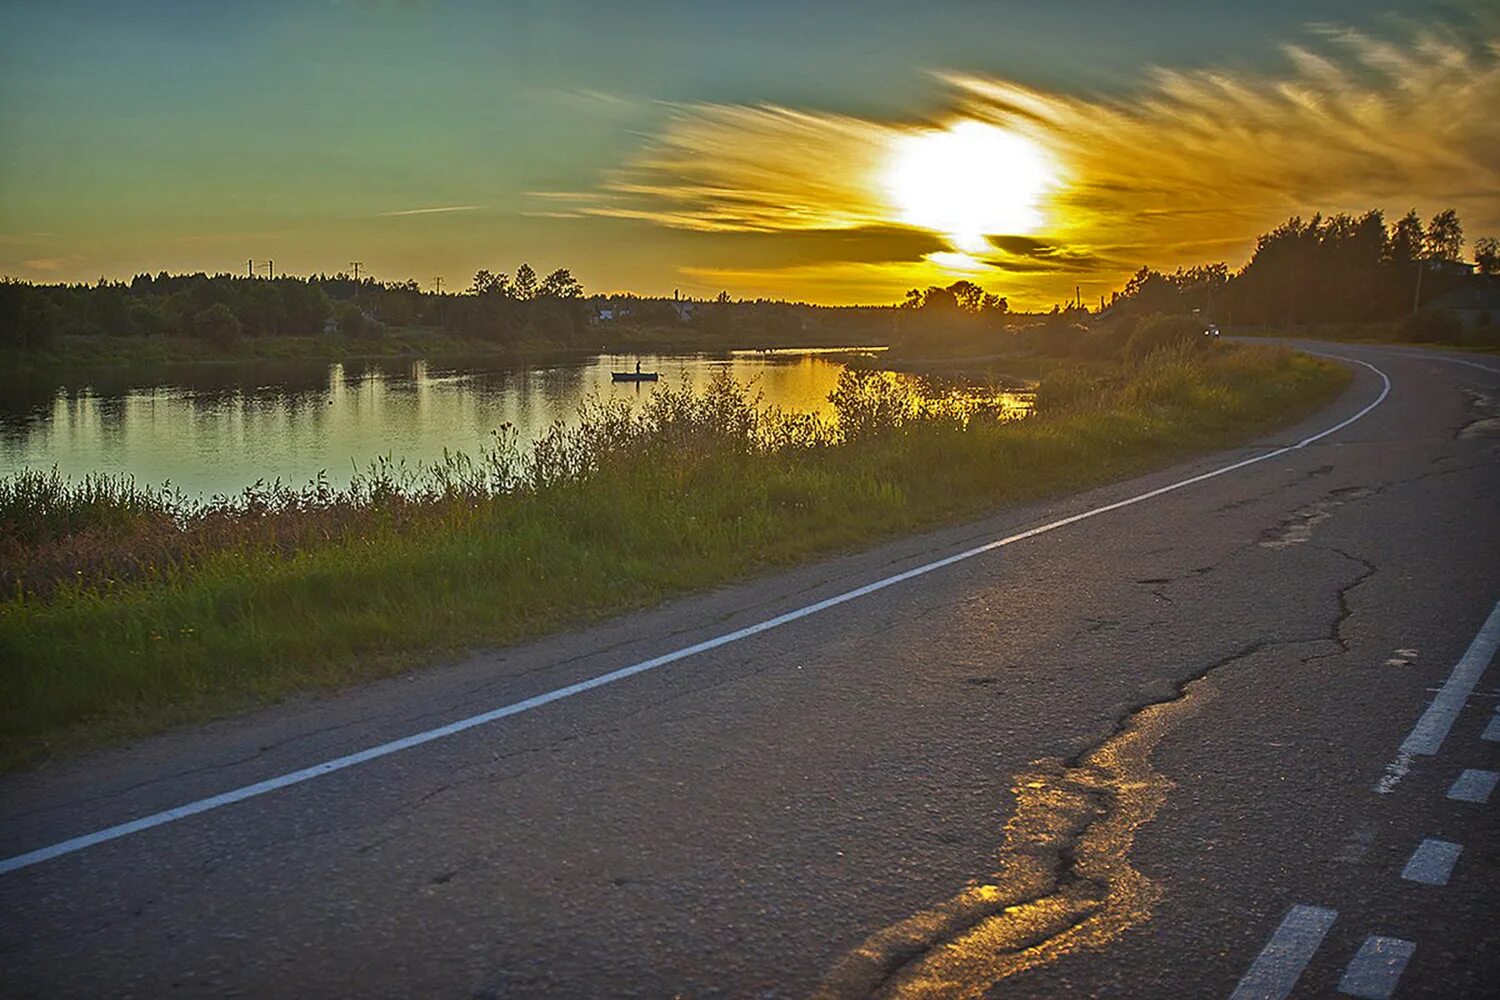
{"type": "Point", "coordinates": [217, 428]}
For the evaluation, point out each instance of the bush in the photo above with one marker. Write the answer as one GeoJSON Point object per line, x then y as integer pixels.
{"type": "Point", "coordinates": [1067, 387]}
{"type": "Point", "coordinates": [1158, 332]}
{"type": "Point", "coordinates": [217, 325]}
{"type": "Point", "coordinates": [352, 320]}
{"type": "Point", "coordinates": [1432, 326]}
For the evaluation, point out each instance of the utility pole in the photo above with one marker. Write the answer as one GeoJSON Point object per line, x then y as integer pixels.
{"type": "Point", "coordinates": [271, 269]}
{"type": "Point", "coordinates": [1416, 299]}
{"type": "Point", "coordinates": [356, 265]}
{"type": "Point", "coordinates": [251, 265]}
{"type": "Point", "coordinates": [437, 287]}
{"type": "Point", "coordinates": [437, 284]}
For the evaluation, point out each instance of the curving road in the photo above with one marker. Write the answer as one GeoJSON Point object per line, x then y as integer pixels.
{"type": "Point", "coordinates": [1234, 737]}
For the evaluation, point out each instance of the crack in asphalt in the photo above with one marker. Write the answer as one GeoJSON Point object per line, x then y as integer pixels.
{"type": "Point", "coordinates": [1063, 879]}
{"type": "Point", "coordinates": [1336, 631]}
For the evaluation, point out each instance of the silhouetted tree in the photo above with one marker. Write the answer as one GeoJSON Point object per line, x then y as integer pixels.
{"type": "Point", "coordinates": [560, 284]}
{"type": "Point", "coordinates": [1445, 237]}
{"type": "Point", "coordinates": [1408, 241]}
{"type": "Point", "coordinates": [524, 287]}
{"type": "Point", "coordinates": [1487, 255]}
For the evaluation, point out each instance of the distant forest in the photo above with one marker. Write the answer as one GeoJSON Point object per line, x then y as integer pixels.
{"type": "Point", "coordinates": [1325, 270]}
{"type": "Point", "coordinates": [1338, 269]}
{"type": "Point", "coordinates": [519, 308]}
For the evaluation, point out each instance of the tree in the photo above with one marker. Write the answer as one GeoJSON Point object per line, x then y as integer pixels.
{"type": "Point", "coordinates": [147, 319]}
{"type": "Point", "coordinates": [1407, 241]}
{"type": "Point", "coordinates": [1445, 237]}
{"type": "Point", "coordinates": [939, 301]}
{"type": "Point", "coordinates": [560, 284]}
{"type": "Point", "coordinates": [216, 324]}
{"type": "Point", "coordinates": [969, 295]}
{"type": "Point", "coordinates": [490, 283]}
{"type": "Point", "coordinates": [351, 319]}
{"type": "Point", "coordinates": [525, 284]}
{"type": "Point", "coordinates": [28, 318]}
{"type": "Point", "coordinates": [1149, 291]}
{"type": "Point", "coordinates": [1487, 255]}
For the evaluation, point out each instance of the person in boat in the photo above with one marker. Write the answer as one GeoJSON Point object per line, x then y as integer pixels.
{"type": "Point", "coordinates": [637, 366]}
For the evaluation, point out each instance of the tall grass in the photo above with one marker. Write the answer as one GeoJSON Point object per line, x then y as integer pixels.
{"type": "Point", "coordinates": [129, 609]}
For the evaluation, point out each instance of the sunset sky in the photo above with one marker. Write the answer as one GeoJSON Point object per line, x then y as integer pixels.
{"type": "Point", "coordinates": [829, 152]}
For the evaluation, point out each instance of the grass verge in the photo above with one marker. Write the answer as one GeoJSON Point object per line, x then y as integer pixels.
{"type": "Point", "coordinates": [130, 611]}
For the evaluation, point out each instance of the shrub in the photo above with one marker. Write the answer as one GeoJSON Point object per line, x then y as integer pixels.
{"type": "Point", "coordinates": [352, 320]}
{"type": "Point", "coordinates": [1158, 332]}
{"type": "Point", "coordinates": [217, 324]}
{"type": "Point", "coordinates": [1065, 388]}
{"type": "Point", "coordinates": [1432, 326]}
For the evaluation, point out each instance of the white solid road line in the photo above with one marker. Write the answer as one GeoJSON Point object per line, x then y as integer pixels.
{"type": "Point", "coordinates": [1427, 356]}
{"type": "Point", "coordinates": [1376, 968]}
{"type": "Point", "coordinates": [1432, 862]}
{"type": "Point", "coordinates": [418, 739]}
{"type": "Point", "coordinates": [1280, 963]}
{"type": "Point", "coordinates": [1432, 728]}
{"type": "Point", "coordinates": [1474, 786]}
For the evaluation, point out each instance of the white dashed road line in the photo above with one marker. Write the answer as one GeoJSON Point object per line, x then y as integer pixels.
{"type": "Point", "coordinates": [1280, 963]}
{"type": "Point", "coordinates": [1427, 736]}
{"type": "Point", "coordinates": [1376, 968]}
{"type": "Point", "coordinates": [1432, 862]}
{"type": "Point", "coordinates": [1474, 786]}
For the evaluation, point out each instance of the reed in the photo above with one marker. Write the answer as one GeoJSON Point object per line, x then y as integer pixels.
{"type": "Point", "coordinates": [130, 609]}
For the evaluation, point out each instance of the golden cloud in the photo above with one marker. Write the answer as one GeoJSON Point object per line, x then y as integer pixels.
{"type": "Point", "coordinates": [1191, 167]}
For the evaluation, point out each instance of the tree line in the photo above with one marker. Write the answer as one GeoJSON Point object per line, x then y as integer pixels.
{"type": "Point", "coordinates": [516, 307]}
{"type": "Point", "coordinates": [224, 307]}
{"type": "Point", "coordinates": [1337, 268]}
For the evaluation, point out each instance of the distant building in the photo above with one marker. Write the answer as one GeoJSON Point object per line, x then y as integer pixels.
{"type": "Point", "coordinates": [1454, 268]}
{"type": "Point", "coordinates": [1476, 302]}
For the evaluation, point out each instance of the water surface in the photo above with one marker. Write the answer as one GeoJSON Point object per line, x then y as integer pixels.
{"type": "Point", "coordinates": [210, 429]}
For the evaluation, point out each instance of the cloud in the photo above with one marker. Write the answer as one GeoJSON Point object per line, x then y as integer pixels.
{"type": "Point", "coordinates": [431, 211]}
{"type": "Point", "coordinates": [1192, 165]}
{"type": "Point", "coordinates": [51, 264]}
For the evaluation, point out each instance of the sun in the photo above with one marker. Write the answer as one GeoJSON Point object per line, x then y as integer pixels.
{"type": "Point", "coordinates": [969, 180]}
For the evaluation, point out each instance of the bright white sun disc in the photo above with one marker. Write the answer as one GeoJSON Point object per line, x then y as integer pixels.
{"type": "Point", "coordinates": [968, 180]}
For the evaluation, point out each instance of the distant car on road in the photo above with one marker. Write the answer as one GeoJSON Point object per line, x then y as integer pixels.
{"type": "Point", "coordinates": [1212, 330]}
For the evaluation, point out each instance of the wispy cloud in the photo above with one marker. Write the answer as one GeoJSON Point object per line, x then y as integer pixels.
{"type": "Point", "coordinates": [49, 265]}
{"type": "Point", "coordinates": [431, 211]}
{"type": "Point", "coordinates": [1191, 165]}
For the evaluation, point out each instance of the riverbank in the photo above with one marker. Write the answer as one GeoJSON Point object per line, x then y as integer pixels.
{"type": "Point", "coordinates": [99, 350]}
{"type": "Point", "coordinates": [130, 612]}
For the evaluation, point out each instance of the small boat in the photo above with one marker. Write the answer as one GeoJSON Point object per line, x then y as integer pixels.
{"type": "Point", "coordinates": [635, 376]}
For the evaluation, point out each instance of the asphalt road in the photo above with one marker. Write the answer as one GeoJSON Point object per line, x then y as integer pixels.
{"type": "Point", "coordinates": [1156, 752]}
